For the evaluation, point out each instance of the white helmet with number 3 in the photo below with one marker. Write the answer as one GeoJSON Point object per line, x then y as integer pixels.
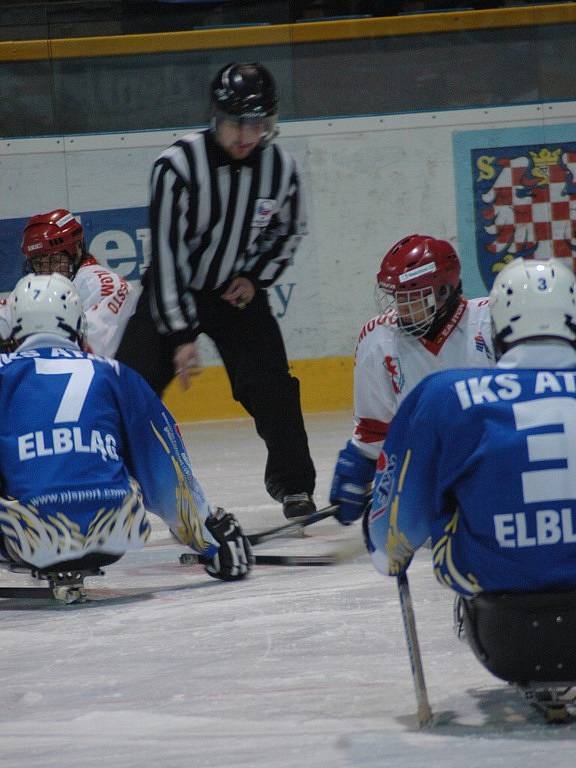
{"type": "Point", "coordinates": [530, 299]}
{"type": "Point", "coordinates": [46, 304]}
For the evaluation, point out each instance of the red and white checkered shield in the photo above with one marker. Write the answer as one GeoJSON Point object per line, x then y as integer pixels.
{"type": "Point", "coordinates": [531, 207]}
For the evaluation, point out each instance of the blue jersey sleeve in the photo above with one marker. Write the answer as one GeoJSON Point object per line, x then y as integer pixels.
{"type": "Point", "coordinates": [405, 487]}
{"type": "Point", "coordinates": [158, 460]}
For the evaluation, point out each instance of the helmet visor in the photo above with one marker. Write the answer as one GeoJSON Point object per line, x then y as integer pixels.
{"type": "Point", "coordinates": [264, 126]}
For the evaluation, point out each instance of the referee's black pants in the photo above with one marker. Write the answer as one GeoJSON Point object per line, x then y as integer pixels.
{"type": "Point", "coordinates": [252, 350]}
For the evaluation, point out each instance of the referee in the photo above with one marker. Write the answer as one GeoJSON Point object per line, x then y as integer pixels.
{"type": "Point", "coordinates": [226, 217]}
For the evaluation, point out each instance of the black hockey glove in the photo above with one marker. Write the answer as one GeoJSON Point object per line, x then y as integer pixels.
{"type": "Point", "coordinates": [234, 558]}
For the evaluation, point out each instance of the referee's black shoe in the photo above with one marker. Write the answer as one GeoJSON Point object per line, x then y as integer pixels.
{"type": "Point", "coordinates": [297, 505]}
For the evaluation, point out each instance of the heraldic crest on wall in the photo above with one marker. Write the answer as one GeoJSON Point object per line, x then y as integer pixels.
{"type": "Point", "coordinates": [524, 204]}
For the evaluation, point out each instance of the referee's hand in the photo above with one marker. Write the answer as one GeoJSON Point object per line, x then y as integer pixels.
{"type": "Point", "coordinates": [187, 363]}
{"type": "Point", "coordinates": [240, 292]}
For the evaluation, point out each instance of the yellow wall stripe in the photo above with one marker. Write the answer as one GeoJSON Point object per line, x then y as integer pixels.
{"type": "Point", "coordinates": [326, 384]}
{"type": "Point", "coordinates": [284, 34]}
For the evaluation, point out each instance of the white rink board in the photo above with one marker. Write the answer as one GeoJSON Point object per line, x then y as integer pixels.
{"type": "Point", "coordinates": [369, 181]}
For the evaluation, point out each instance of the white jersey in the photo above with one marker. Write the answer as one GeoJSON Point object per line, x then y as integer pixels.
{"type": "Point", "coordinates": [390, 363]}
{"type": "Point", "coordinates": [108, 301]}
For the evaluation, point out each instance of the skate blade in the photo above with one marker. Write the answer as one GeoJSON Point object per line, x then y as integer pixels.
{"type": "Point", "coordinates": [69, 595]}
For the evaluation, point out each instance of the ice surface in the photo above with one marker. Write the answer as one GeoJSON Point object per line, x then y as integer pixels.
{"type": "Point", "coordinates": [296, 667]}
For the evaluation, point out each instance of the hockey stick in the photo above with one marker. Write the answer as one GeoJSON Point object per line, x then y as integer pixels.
{"type": "Point", "coordinates": [295, 525]}
{"type": "Point", "coordinates": [34, 593]}
{"type": "Point", "coordinates": [424, 712]}
{"type": "Point", "coordinates": [189, 558]}
{"type": "Point", "coordinates": [349, 551]}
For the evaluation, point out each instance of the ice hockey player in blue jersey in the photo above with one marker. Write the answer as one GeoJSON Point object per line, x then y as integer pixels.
{"type": "Point", "coordinates": [86, 448]}
{"type": "Point", "coordinates": [483, 461]}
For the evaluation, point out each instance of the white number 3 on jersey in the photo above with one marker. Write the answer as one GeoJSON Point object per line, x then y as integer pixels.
{"type": "Point", "coordinates": [554, 445]}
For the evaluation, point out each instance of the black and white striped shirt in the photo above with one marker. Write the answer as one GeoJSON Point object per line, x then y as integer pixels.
{"type": "Point", "coordinates": [213, 219]}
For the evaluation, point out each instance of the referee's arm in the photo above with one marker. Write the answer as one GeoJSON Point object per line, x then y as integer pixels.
{"type": "Point", "coordinates": [173, 309]}
{"type": "Point", "coordinates": [281, 238]}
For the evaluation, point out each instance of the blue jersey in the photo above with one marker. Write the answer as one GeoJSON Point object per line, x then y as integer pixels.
{"type": "Point", "coordinates": [77, 431]}
{"type": "Point", "coordinates": [484, 462]}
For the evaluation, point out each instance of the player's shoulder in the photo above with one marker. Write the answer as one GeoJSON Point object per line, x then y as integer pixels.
{"type": "Point", "coordinates": [103, 365]}
{"type": "Point", "coordinates": [478, 307]}
{"type": "Point", "coordinates": [476, 322]}
{"type": "Point", "coordinates": [434, 384]}
{"type": "Point", "coordinates": [92, 267]}
{"type": "Point", "coordinates": [93, 281]}
{"type": "Point", "coordinates": [379, 329]}
{"type": "Point", "coordinates": [136, 381]}
{"type": "Point", "coordinates": [180, 155]}
{"type": "Point", "coordinates": [281, 152]}
{"type": "Point", "coordinates": [181, 144]}
{"type": "Point", "coordinates": [439, 385]}
{"type": "Point", "coordinates": [447, 377]}
{"type": "Point", "coordinates": [121, 378]}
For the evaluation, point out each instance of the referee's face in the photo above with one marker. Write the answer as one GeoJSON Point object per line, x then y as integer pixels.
{"type": "Point", "coordinates": [239, 139]}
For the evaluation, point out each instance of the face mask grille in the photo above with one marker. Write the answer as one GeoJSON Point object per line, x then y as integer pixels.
{"type": "Point", "coordinates": [415, 309]}
{"type": "Point", "coordinates": [48, 263]}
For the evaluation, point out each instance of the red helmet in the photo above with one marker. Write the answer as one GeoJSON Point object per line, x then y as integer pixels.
{"type": "Point", "coordinates": [416, 277]}
{"type": "Point", "coordinates": [50, 235]}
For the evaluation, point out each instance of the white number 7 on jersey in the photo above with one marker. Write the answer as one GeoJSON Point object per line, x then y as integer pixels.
{"type": "Point", "coordinates": [81, 373]}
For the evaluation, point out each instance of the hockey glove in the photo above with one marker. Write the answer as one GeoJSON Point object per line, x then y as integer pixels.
{"type": "Point", "coordinates": [351, 484]}
{"type": "Point", "coordinates": [380, 559]}
{"type": "Point", "coordinates": [234, 558]}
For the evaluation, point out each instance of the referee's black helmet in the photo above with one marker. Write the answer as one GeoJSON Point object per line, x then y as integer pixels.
{"type": "Point", "coordinates": [245, 91]}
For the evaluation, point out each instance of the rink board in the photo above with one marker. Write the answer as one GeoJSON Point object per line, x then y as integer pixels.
{"type": "Point", "coordinates": [368, 180]}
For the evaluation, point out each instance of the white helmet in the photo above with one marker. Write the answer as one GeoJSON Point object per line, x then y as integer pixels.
{"type": "Point", "coordinates": [46, 304]}
{"type": "Point", "coordinates": [533, 298]}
